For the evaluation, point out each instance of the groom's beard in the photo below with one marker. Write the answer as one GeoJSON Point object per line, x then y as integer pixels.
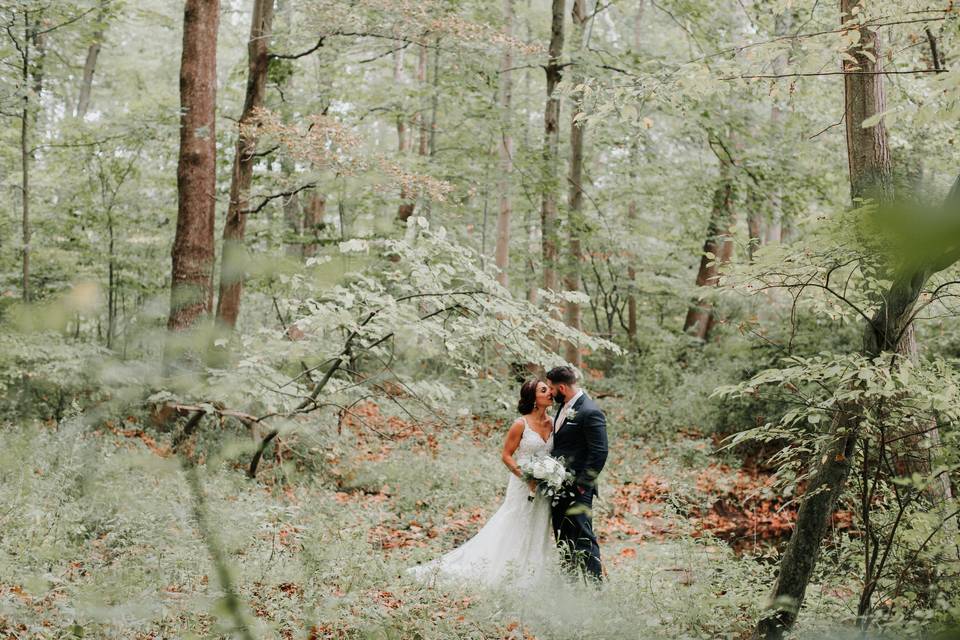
{"type": "Point", "coordinates": [559, 398]}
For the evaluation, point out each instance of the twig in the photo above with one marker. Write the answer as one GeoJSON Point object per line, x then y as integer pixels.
{"type": "Point", "coordinates": [834, 73]}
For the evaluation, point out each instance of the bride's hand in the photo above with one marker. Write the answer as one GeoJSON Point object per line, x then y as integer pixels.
{"type": "Point", "coordinates": [532, 484]}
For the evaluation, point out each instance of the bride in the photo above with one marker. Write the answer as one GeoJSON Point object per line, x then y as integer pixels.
{"type": "Point", "coordinates": [516, 544]}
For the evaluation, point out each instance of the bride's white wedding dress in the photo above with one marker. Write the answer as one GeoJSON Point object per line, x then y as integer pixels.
{"type": "Point", "coordinates": [516, 545]}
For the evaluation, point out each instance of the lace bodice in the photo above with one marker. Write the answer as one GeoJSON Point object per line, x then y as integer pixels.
{"type": "Point", "coordinates": [531, 444]}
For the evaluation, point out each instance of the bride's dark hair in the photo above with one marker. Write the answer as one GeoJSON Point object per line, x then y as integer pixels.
{"type": "Point", "coordinates": [528, 396]}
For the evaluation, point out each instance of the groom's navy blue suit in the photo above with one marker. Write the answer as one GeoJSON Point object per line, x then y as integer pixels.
{"type": "Point", "coordinates": [582, 443]}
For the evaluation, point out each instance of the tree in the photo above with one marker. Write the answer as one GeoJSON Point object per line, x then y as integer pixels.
{"type": "Point", "coordinates": [551, 144]}
{"type": "Point", "coordinates": [406, 206]}
{"type": "Point", "coordinates": [889, 329]}
{"type": "Point", "coordinates": [191, 289]}
{"type": "Point", "coordinates": [632, 207]}
{"type": "Point", "coordinates": [234, 254]}
{"type": "Point", "coordinates": [90, 63]}
{"type": "Point", "coordinates": [506, 152]}
{"type": "Point", "coordinates": [575, 225]}
{"type": "Point", "coordinates": [717, 250]}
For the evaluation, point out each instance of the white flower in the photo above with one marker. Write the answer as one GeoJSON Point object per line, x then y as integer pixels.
{"type": "Point", "coordinates": [354, 245]}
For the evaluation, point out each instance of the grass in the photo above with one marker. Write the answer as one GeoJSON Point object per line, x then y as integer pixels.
{"type": "Point", "coordinates": [99, 540]}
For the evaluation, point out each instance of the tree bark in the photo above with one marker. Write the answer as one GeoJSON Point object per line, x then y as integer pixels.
{"type": "Point", "coordinates": [773, 229]}
{"type": "Point", "coordinates": [31, 74]}
{"type": "Point", "coordinates": [868, 153]}
{"type": "Point", "coordinates": [424, 143]}
{"type": "Point", "coordinates": [719, 246]}
{"type": "Point", "coordinates": [292, 209]}
{"type": "Point", "coordinates": [90, 65]}
{"type": "Point", "coordinates": [632, 207]}
{"type": "Point", "coordinates": [502, 253]}
{"type": "Point", "coordinates": [313, 222]}
{"type": "Point", "coordinates": [551, 144]}
{"type": "Point", "coordinates": [406, 206]}
{"type": "Point", "coordinates": [25, 163]}
{"type": "Point", "coordinates": [531, 223]}
{"type": "Point", "coordinates": [234, 254]}
{"type": "Point", "coordinates": [191, 294]}
{"type": "Point", "coordinates": [434, 103]}
{"type": "Point", "coordinates": [632, 278]}
{"type": "Point", "coordinates": [575, 224]}
{"type": "Point", "coordinates": [754, 224]}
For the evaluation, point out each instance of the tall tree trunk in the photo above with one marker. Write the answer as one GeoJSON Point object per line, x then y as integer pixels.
{"type": "Point", "coordinates": [191, 294]}
{"type": "Point", "coordinates": [293, 214]}
{"type": "Point", "coordinates": [502, 254]}
{"type": "Point", "coordinates": [530, 214]}
{"type": "Point", "coordinates": [111, 281]}
{"type": "Point", "coordinates": [772, 232]}
{"type": "Point", "coordinates": [632, 207]}
{"type": "Point", "coordinates": [90, 65]}
{"type": "Point", "coordinates": [631, 269]}
{"type": "Point", "coordinates": [575, 223]}
{"type": "Point", "coordinates": [25, 193]}
{"type": "Point", "coordinates": [870, 171]}
{"type": "Point", "coordinates": [424, 128]}
{"type": "Point", "coordinates": [32, 74]}
{"type": "Point", "coordinates": [717, 250]}
{"type": "Point", "coordinates": [434, 101]}
{"type": "Point", "coordinates": [551, 145]}
{"type": "Point", "coordinates": [234, 254]}
{"type": "Point", "coordinates": [25, 164]}
{"type": "Point", "coordinates": [405, 208]}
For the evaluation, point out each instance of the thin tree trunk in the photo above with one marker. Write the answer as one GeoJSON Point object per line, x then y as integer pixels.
{"type": "Point", "coordinates": [572, 278]}
{"type": "Point", "coordinates": [638, 25]}
{"type": "Point", "coordinates": [502, 254]}
{"type": "Point", "coordinates": [25, 194]}
{"type": "Point", "coordinates": [292, 209]}
{"type": "Point", "coordinates": [530, 218]}
{"type": "Point", "coordinates": [632, 281]}
{"type": "Point", "coordinates": [754, 223]}
{"type": "Point", "coordinates": [773, 229]}
{"type": "Point", "coordinates": [717, 250]}
{"type": "Point", "coordinates": [111, 282]}
{"type": "Point", "coordinates": [234, 230]}
{"type": "Point", "coordinates": [25, 154]}
{"type": "Point", "coordinates": [406, 206]}
{"type": "Point", "coordinates": [434, 101]}
{"type": "Point", "coordinates": [422, 124]}
{"type": "Point", "coordinates": [90, 66]}
{"type": "Point", "coordinates": [551, 144]}
{"type": "Point", "coordinates": [191, 294]}
{"type": "Point", "coordinates": [632, 207]}
{"type": "Point", "coordinates": [313, 222]}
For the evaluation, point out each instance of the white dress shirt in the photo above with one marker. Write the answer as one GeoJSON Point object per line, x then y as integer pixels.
{"type": "Point", "coordinates": [566, 408]}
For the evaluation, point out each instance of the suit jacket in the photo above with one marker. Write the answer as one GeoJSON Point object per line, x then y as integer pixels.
{"type": "Point", "coordinates": [582, 441]}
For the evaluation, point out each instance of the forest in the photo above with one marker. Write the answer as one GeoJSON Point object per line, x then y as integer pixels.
{"type": "Point", "coordinates": [273, 272]}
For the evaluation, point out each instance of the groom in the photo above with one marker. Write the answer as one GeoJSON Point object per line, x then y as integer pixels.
{"type": "Point", "coordinates": [580, 438]}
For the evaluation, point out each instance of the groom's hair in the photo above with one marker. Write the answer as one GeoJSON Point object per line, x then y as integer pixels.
{"type": "Point", "coordinates": [562, 375]}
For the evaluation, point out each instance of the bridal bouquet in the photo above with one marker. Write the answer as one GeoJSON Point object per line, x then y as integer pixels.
{"type": "Point", "coordinates": [549, 474]}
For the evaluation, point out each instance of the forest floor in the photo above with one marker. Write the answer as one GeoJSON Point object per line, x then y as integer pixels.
{"type": "Point", "coordinates": [99, 537]}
